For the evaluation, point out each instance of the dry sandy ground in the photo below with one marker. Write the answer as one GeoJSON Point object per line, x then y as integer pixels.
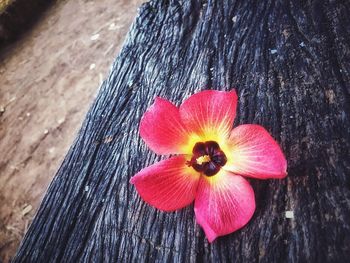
{"type": "Point", "coordinates": [48, 79]}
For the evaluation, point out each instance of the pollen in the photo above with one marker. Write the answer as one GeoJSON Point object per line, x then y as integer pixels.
{"type": "Point", "coordinates": [203, 159]}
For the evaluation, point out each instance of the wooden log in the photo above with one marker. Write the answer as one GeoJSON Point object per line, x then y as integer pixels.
{"type": "Point", "coordinates": [289, 61]}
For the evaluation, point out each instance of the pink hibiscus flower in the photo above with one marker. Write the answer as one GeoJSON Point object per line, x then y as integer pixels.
{"type": "Point", "coordinates": [210, 162]}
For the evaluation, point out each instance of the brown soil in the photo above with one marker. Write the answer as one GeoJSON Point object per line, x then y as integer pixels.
{"type": "Point", "coordinates": [48, 79]}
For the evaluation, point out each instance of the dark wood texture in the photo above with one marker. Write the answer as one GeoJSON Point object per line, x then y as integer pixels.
{"type": "Point", "coordinates": [290, 63]}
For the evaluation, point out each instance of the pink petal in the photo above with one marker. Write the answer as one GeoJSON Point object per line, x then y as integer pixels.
{"type": "Point", "coordinates": [224, 203]}
{"type": "Point", "coordinates": [254, 153]}
{"type": "Point", "coordinates": [162, 129]}
{"type": "Point", "coordinates": [168, 185]}
{"type": "Point", "coordinates": [210, 113]}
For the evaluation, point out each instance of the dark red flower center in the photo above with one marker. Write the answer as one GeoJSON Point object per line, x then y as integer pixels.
{"type": "Point", "coordinates": [207, 158]}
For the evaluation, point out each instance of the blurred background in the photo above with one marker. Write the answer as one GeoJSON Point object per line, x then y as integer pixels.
{"type": "Point", "coordinates": [53, 58]}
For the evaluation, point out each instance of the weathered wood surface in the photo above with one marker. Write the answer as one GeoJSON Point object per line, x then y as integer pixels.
{"type": "Point", "coordinates": [289, 61]}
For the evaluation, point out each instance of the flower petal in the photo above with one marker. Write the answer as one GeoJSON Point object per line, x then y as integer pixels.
{"type": "Point", "coordinates": [254, 153]}
{"type": "Point", "coordinates": [162, 129]}
{"type": "Point", "coordinates": [210, 114]}
{"type": "Point", "coordinates": [224, 203]}
{"type": "Point", "coordinates": [168, 185]}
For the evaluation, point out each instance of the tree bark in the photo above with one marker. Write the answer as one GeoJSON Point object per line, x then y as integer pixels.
{"type": "Point", "coordinates": [289, 62]}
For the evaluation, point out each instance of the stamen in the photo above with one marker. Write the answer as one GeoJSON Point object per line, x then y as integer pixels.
{"type": "Point", "coordinates": [203, 159]}
{"type": "Point", "coordinates": [207, 158]}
